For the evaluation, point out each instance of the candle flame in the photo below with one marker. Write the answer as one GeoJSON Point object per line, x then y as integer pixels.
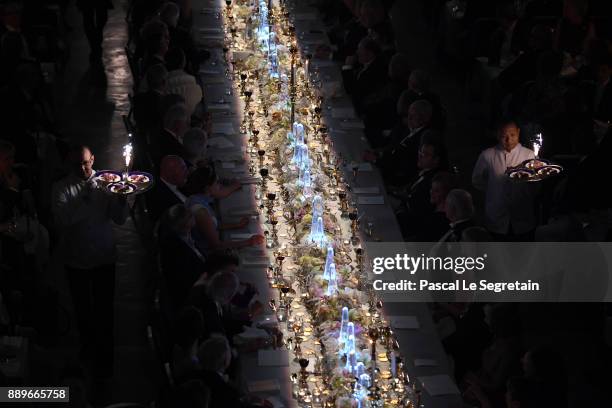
{"type": "Point", "coordinates": [537, 144]}
{"type": "Point", "coordinates": [127, 153]}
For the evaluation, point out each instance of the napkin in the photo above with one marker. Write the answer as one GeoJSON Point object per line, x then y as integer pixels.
{"type": "Point", "coordinates": [251, 333]}
{"type": "Point", "coordinates": [236, 236]}
{"type": "Point", "coordinates": [273, 358]}
{"type": "Point", "coordinates": [270, 385]}
{"type": "Point", "coordinates": [212, 36]}
{"type": "Point", "coordinates": [214, 30]}
{"type": "Point", "coordinates": [365, 166]}
{"type": "Point", "coordinates": [425, 362]}
{"type": "Point", "coordinates": [366, 190]}
{"type": "Point", "coordinates": [226, 128]}
{"type": "Point", "coordinates": [404, 322]}
{"type": "Point", "coordinates": [219, 106]}
{"type": "Point", "coordinates": [209, 71]}
{"type": "Point", "coordinates": [209, 10]}
{"type": "Point", "coordinates": [220, 142]}
{"type": "Point", "coordinates": [305, 15]}
{"type": "Point", "coordinates": [439, 385]}
{"type": "Point", "coordinates": [209, 80]}
{"type": "Point", "coordinates": [242, 211]}
{"type": "Point", "coordinates": [256, 261]}
{"type": "Point", "coordinates": [341, 113]}
{"type": "Point", "coordinates": [268, 321]}
{"type": "Point", "coordinates": [353, 124]}
{"type": "Point", "coordinates": [371, 200]}
{"type": "Point", "coordinates": [249, 180]}
{"type": "Point", "coordinates": [276, 402]}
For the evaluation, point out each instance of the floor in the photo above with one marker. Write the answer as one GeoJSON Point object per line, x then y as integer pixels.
{"type": "Point", "coordinates": [90, 104]}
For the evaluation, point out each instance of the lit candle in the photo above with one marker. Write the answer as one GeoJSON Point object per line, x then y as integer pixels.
{"type": "Point", "coordinates": [127, 154]}
{"type": "Point", "coordinates": [537, 144]}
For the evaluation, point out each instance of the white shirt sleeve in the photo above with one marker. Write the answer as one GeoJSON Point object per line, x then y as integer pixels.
{"type": "Point", "coordinates": [480, 173]}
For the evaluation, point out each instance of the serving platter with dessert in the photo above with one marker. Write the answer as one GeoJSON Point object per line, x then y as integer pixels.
{"type": "Point", "coordinates": [132, 182]}
{"type": "Point", "coordinates": [533, 170]}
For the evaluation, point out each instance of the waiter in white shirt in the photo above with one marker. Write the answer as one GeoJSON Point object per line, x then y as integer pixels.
{"type": "Point", "coordinates": [84, 214]}
{"type": "Point", "coordinates": [509, 207]}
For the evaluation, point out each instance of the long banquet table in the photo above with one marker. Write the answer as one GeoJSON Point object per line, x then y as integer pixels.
{"type": "Point", "coordinates": [348, 140]}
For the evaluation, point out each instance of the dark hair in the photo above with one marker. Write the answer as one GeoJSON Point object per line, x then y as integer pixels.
{"type": "Point", "coordinates": [218, 260]}
{"type": "Point", "coordinates": [189, 326]}
{"type": "Point", "coordinates": [201, 177]}
{"type": "Point", "coordinates": [550, 64]}
{"type": "Point", "coordinates": [175, 59]}
{"type": "Point", "coordinates": [154, 43]}
{"type": "Point", "coordinates": [440, 151]}
{"type": "Point", "coordinates": [548, 365]}
{"type": "Point", "coordinates": [6, 147]}
{"type": "Point", "coordinates": [371, 45]}
{"type": "Point", "coordinates": [505, 121]}
{"type": "Point", "coordinates": [524, 392]}
{"type": "Point", "coordinates": [446, 179]}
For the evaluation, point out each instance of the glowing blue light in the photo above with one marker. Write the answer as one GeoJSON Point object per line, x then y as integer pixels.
{"type": "Point", "coordinates": [317, 237]}
{"type": "Point", "coordinates": [344, 325]}
{"type": "Point", "coordinates": [328, 261]}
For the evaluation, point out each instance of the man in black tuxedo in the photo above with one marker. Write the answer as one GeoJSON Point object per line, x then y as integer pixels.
{"type": "Point", "coordinates": [416, 196]}
{"type": "Point", "coordinates": [169, 139]}
{"type": "Point", "coordinates": [95, 15]}
{"type": "Point", "coordinates": [182, 263]}
{"type": "Point", "coordinates": [215, 356]}
{"type": "Point", "coordinates": [166, 193]}
{"type": "Point", "coordinates": [398, 160]}
{"type": "Point", "coordinates": [460, 212]}
{"type": "Point", "coordinates": [364, 77]}
{"type": "Point", "coordinates": [147, 105]}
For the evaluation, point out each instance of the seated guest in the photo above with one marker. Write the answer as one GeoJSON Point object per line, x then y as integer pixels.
{"type": "Point", "coordinates": [509, 207]}
{"type": "Point", "coordinates": [215, 356]}
{"type": "Point", "coordinates": [416, 199]}
{"type": "Point", "coordinates": [166, 193]}
{"type": "Point", "coordinates": [524, 68]}
{"type": "Point", "coordinates": [435, 224]}
{"type": "Point", "coordinates": [169, 140]}
{"type": "Point", "coordinates": [520, 392]}
{"type": "Point", "coordinates": [213, 297]}
{"type": "Point", "coordinates": [364, 75]}
{"type": "Point", "coordinates": [195, 142]}
{"type": "Point", "coordinates": [188, 329]}
{"type": "Point", "coordinates": [181, 261]}
{"type": "Point", "coordinates": [602, 92]}
{"type": "Point", "coordinates": [419, 86]}
{"type": "Point", "coordinates": [574, 30]}
{"type": "Point", "coordinates": [501, 358]}
{"type": "Point", "coordinates": [201, 187]}
{"type": "Point", "coordinates": [397, 160]}
{"type": "Point", "coordinates": [506, 42]}
{"type": "Point", "coordinates": [374, 17]}
{"type": "Point", "coordinates": [147, 105]}
{"type": "Point", "coordinates": [222, 261]}
{"type": "Point", "coordinates": [379, 113]}
{"type": "Point", "coordinates": [180, 82]}
{"type": "Point", "coordinates": [156, 47]}
{"type": "Point", "coordinates": [459, 209]}
{"type": "Point", "coordinates": [181, 38]}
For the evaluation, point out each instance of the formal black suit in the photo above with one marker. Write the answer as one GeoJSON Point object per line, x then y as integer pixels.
{"type": "Point", "coordinates": [223, 394]}
{"type": "Point", "coordinates": [159, 199]}
{"type": "Point", "coordinates": [433, 227]}
{"type": "Point", "coordinates": [416, 204]}
{"type": "Point", "coordinates": [216, 318]}
{"type": "Point", "coordinates": [181, 265]}
{"type": "Point", "coordinates": [361, 83]}
{"type": "Point", "coordinates": [456, 231]}
{"type": "Point", "coordinates": [147, 111]}
{"type": "Point", "coordinates": [399, 158]}
{"type": "Point", "coordinates": [165, 143]}
{"type": "Point", "coordinates": [602, 108]}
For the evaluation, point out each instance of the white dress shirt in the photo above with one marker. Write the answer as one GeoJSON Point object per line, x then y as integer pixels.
{"type": "Point", "coordinates": [84, 212]}
{"type": "Point", "coordinates": [506, 204]}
